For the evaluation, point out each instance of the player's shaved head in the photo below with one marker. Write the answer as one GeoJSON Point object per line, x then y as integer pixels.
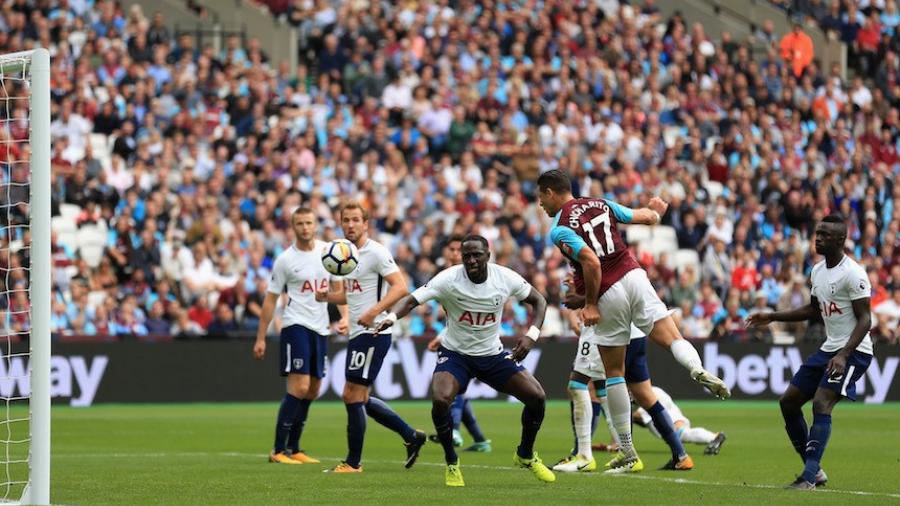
{"type": "Point", "coordinates": [475, 255]}
{"type": "Point", "coordinates": [831, 233]}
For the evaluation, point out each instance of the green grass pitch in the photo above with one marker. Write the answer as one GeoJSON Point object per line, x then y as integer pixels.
{"type": "Point", "coordinates": [216, 454]}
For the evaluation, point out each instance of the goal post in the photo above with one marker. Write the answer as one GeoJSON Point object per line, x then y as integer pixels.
{"type": "Point", "coordinates": [25, 214]}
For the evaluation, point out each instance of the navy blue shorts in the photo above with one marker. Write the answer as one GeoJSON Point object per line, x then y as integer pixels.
{"type": "Point", "coordinates": [302, 351]}
{"type": "Point", "coordinates": [365, 355]}
{"type": "Point", "coordinates": [493, 370]}
{"type": "Point", "coordinates": [636, 369]}
{"type": "Point", "coordinates": [812, 374]}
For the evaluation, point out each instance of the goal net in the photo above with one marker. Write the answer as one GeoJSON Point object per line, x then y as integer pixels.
{"type": "Point", "coordinates": [25, 277]}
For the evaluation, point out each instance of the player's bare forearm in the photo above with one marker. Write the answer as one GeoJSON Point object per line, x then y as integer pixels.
{"type": "Point", "coordinates": [539, 305]}
{"type": "Point", "coordinates": [397, 291]}
{"type": "Point", "coordinates": [265, 318]}
{"type": "Point", "coordinates": [797, 315]}
{"type": "Point", "coordinates": [574, 301]}
{"type": "Point", "coordinates": [590, 266]}
{"type": "Point", "coordinates": [404, 306]}
{"type": "Point", "coordinates": [863, 313]}
{"type": "Point", "coordinates": [645, 216]}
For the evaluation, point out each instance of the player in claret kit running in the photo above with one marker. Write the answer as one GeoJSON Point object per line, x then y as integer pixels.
{"type": "Point", "coordinates": [473, 296]}
{"type": "Point", "coordinates": [608, 275]}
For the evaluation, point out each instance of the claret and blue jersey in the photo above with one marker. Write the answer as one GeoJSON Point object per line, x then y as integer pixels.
{"type": "Point", "coordinates": [588, 222]}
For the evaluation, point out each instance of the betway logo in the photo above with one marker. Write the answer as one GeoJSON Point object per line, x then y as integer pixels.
{"type": "Point", "coordinates": [753, 374]}
{"type": "Point", "coordinates": [415, 373]}
{"type": "Point", "coordinates": [65, 372]}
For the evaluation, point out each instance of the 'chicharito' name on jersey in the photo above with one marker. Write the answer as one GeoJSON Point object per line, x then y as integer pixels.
{"type": "Point", "coordinates": [302, 273]}
{"type": "Point", "coordinates": [836, 289]}
{"type": "Point", "coordinates": [474, 310]}
{"type": "Point", "coordinates": [366, 286]}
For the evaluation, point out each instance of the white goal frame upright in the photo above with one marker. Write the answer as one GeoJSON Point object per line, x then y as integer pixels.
{"type": "Point", "coordinates": [34, 65]}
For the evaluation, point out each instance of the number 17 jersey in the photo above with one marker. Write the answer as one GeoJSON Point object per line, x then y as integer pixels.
{"type": "Point", "coordinates": [593, 223]}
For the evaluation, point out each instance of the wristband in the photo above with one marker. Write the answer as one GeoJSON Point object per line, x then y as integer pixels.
{"type": "Point", "coordinates": [658, 217]}
{"type": "Point", "coordinates": [533, 333]}
{"type": "Point", "coordinates": [391, 317]}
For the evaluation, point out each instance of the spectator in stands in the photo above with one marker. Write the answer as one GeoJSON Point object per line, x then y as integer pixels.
{"type": "Point", "coordinates": [797, 49]}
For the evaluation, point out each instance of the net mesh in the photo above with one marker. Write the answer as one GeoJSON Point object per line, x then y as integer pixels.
{"type": "Point", "coordinates": [15, 244]}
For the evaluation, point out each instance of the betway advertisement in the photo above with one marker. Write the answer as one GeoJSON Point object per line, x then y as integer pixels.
{"type": "Point", "coordinates": [83, 374]}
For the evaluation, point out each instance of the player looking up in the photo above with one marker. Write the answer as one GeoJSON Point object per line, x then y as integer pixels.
{"type": "Point", "coordinates": [368, 291]}
{"type": "Point", "coordinates": [840, 295]}
{"type": "Point", "coordinates": [473, 296]}
{"type": "Point", "coordinates": [299, 273]}
{"type": "Point", "coordinates": [607, 273]}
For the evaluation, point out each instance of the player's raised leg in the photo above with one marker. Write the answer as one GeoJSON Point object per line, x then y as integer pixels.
{"type": "Point", "coordinates": [444, 388]}
{"type": "Point", "coordinates": [666, 334]}
{"type": "Point", "coordinates": [524, 387]}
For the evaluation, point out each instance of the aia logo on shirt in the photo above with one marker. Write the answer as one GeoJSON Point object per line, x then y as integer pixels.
{"type": "Point", "coordinates": [830, 308]}
{"type": "Point", "coordinates": [314, 285]}
{"type": "Point", "coordinates": [353, 286]}
{"type": "Point", "coordinates": [474, 318]}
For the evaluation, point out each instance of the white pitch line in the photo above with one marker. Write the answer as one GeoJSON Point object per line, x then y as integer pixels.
{"type": "Point", "coordinates": [680, 481]}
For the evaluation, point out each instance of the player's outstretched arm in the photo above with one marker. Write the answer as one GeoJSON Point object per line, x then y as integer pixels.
{"type": "Point", "coordinates": [863, 312]}
{"type": "Point", "coordinates": [400, 309]}
{"type": "Point", "coordinates": [652, 214]}
{"type": "Point", "coordinates": [800, 314]}
{"type": "Point", "coordinates": [268, 309]}
{"type": "Point", "coordinates": [526, 342]}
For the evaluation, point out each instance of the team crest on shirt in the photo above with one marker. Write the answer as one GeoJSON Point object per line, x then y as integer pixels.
{"type": "Point", "coordinates": [298, 363]}
{"type": "Point", "coordinates": [833, 287]}
{"type": "Point", "coordinates": [496, 300]}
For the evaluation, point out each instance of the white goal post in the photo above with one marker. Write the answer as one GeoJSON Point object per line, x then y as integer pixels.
{"type": "Point", "coordinates": [25, 76]}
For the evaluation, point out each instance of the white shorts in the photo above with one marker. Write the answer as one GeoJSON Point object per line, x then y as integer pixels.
{"type": "Point", "coordinates": [632, 299]}
{"type": "Point", "coordinates": [587, 356]}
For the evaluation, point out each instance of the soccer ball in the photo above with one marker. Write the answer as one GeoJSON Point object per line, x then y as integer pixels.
{"type": "Point", "coordinates": [340, 257]}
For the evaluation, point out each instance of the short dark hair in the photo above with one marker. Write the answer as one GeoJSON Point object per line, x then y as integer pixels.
{"type": "Point", "coordinates": [477, 238]}
{"type": "Point", "coordinates": [835, 218]}
{"type": "Point", "coordinates": [302, 210]}
{"type": "Point", "coordinates": [555, 180]}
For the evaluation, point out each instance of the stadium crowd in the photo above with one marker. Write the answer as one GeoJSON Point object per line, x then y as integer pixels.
{"type": "Point", "coordinates": [439, 116]}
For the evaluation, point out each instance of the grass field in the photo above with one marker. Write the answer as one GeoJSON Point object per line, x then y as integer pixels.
{"type": "Point", "coordinates": [216, 454]}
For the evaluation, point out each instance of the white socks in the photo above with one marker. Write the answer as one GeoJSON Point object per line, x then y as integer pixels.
{"type": "Point", "coordinates": [582, 412]}
{"type": "Point", "coordinates": [620, 412]}
{"type": "Point", "coordinates": [697, 435]}
{"type": "Point", "coordinates": [604, 402]}
{"type": "Point", "coordinates": [686, 355]}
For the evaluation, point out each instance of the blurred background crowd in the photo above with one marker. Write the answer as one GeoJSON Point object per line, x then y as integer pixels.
{"type": "Point", "coordinates": [175, 167]}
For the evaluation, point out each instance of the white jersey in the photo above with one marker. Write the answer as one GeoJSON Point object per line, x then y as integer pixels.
{"type": "Point", "coordinates": [302, 273]}
{"type": "Point", "coordinates": [836, 289]}
{"type": "Point", "coordinates": [474, 310]}
{"type": "Point", "coordinates": [366, 286]}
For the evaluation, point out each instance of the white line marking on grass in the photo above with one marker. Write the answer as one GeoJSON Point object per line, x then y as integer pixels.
{"type": "Point", "coordinates": [680, 481]}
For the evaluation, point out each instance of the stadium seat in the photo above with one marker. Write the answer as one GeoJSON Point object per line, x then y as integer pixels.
{"type": "Point", "coordinates": [66, 230]}
{"type": "Point", "coordinates": [91, 243]}
{"type": "Point", "coordinates": [664, 233]}
{"type": "Point", "coordinates": [69, 211]}
{"type": "Point", "coordinates": [637, 233]}
{"type": "Point", "coordinates": [685, 258]}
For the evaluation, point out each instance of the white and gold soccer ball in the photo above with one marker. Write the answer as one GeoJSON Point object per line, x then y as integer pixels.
{"type": "Point", "coordinates": [340, 257]}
